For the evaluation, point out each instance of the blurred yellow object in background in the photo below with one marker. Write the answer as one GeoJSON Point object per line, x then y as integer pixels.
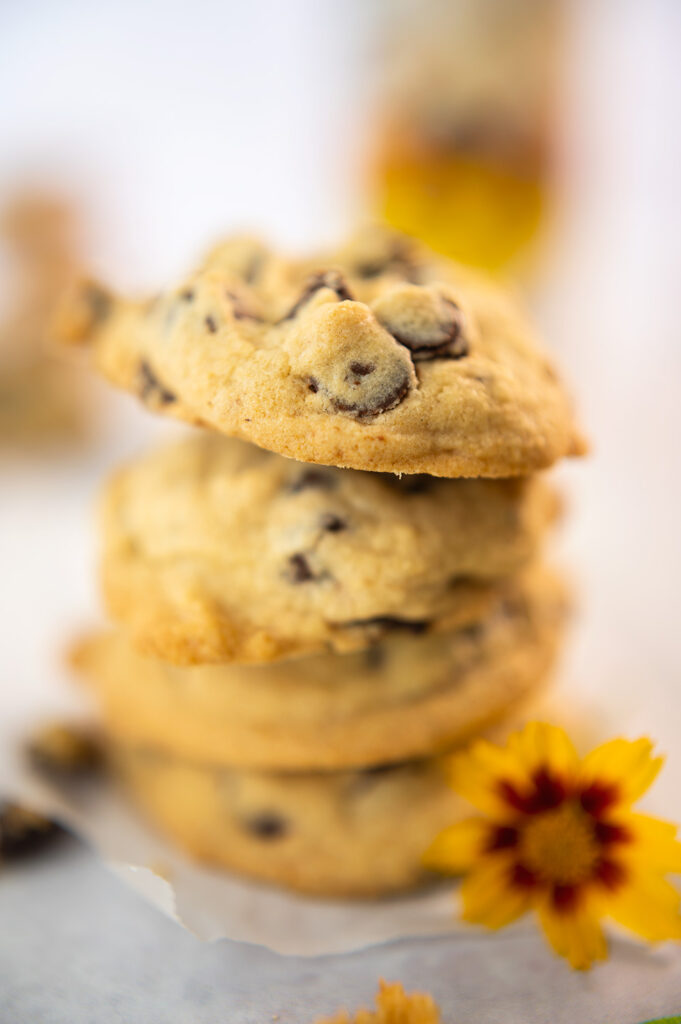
{"type": "Point", "coordinates": [462, 157]}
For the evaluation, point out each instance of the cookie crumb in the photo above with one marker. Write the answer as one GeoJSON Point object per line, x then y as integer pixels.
{"type": "Point", "coordinates": [23, 832]}
{"type": "Point", "coordinates": [61, 751]}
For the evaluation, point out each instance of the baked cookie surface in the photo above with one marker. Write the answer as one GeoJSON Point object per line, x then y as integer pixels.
{"type": "Point", "coordinates": [379, 356]}
{"type": "Point", "coordinates": [404, 698]}
{"type": "Point", "coordinates": [214, 550]}
{"type": "Point", "coordinates": [331, 834]}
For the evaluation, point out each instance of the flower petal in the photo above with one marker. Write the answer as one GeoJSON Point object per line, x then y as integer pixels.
{"type": "Point", "coordinates": [628, 765]}
{"type": "Point", "coordinates": [653, 843]}
{"type": "Point", "coordinates": [541, 745]}
{"type": "Point", "coordinates": [489, 897]}
{"type": "Point", "coordinates": [648, 906]}
{"type": "Point", "coordinates": [476, 774]}
{"type": "Point", "coordinates": [576, 934]}
{"type": "Point", "coordinates": [456, 849]}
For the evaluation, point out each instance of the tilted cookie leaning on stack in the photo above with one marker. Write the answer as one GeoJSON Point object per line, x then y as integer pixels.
{"type": "Point", "coordinates": [299, 642]}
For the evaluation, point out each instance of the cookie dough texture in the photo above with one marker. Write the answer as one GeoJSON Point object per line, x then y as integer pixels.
{"type": "Point", "coordinates": [404, 698]}
{"type": "Point", "coordinates": [214, 550]}
{"type": "Point", "coordinates": [378, 356]}
{"type": "Point", "coordinates": [353, 833]}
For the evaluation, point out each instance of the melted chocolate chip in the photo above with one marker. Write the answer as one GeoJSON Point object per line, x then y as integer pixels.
{"type": "Point", "coordinates": [150, 387]}
{"type": "Point", "coordinates": [211, 324]}
{"type": "Point", "coordinates": [300, 570]}
{"type": "Point", "coordinates": [22, 832]}
{"type": "Point", "coordinates": [312, 478]}
{"type": "Point", "coordinates": [388, 624]}
{"type": "Point", "coordinates": [362, 369]}
{"type": "Point", "coordinates": [440, 339]}
{"type": "Point", "coordinates": [332, 523]}
{"type": "Point", "coordinates": [267, 825]}
{"type": "Point", "coordinates": [187, 295]}
{"type": "Point", "coordinates": [324, 279]}
{"type": "Point", "coordinates": [381, 401]}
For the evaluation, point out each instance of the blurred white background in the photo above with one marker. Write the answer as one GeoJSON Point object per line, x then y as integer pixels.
{"type": "Point", "coordinates": [177, 121]}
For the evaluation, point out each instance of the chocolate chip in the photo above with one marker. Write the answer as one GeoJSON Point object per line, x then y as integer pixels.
{"type": "Point", "coordinates": [362, 369]}
{"type": "Point", "coordinates": [387, 624]}
{"type": "Point", "coordinates": [64, 752]}
{"type": "Point", "coordinates": [379, 400]}
{"type": "Point", "coordinates": [150, 387]}
{"type": "Point", "coordinates": [211, 324]}
{"type": "Point", "coordinates": [426, 323]}
{"type": "Point", "coordinates": [332, 523]}
{"type": "Point", "coordinates": [324, 279]}
{"type": "Point", "coordinates": [187, 295]}
{"type": "Point", "coordinates": [300, 570]}
{"type": "Point", "coordinates": [312, 478]}
{"type": "Point", "coordinates": [22, 832]}
{"type": "Point", "coordinates": [267, 825]}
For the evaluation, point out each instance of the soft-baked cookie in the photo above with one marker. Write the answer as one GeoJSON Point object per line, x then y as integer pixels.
{"type": "Point", "coordinates": [407, 697]}
{"type": "Point", "coordinates": [355, 833]}
{"type": "Point", "coordinates": [376, 357]}
{"type": "Point", "coordinates": [352, 833]}
{"type": "Point", "coordinates": [215, 550]}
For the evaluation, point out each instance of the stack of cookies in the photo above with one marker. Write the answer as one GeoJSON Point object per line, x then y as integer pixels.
{"type": "Point", "coordinates": [300, 639]}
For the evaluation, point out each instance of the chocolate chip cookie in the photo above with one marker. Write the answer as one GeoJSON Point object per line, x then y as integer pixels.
{"type": "Point", "coordinates": [406, 697]}
{"type": "Point", "coordinates": [214, 550]}
{"type": "Point", "coordinates": [353, 833]}
{"type": "Point", "coordinates": [378, 357]}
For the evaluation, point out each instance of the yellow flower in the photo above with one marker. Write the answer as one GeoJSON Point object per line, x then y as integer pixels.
{"type": "Point", "coordinates": [393, 1006]}
{"type": "Point", "coordinates": [559, 837]}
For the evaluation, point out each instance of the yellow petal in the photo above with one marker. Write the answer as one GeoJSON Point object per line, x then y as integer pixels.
{"type": "Point", "coordinates": [648, 906]}
{"type": "Point", "coordinates": [395, 1006]}
{"type": "Point", "coordinates": [477, 772]}
{"type": "Point", "coordinates": [542, 745]}
{"type": "Point", "coordinates": [626, 764]}
{"type": "Point", "coordinates": [488, 896]}
{"type": "Point", "coordinates": [575, 935]}
{"type": "Point", "coordinates": [654, 843]}
{"type": "Point", "coordinates": [456, 849]}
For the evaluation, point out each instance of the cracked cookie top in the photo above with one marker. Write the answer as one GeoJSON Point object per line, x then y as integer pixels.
{"type": "Point", "coordinates": [379, 357]}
